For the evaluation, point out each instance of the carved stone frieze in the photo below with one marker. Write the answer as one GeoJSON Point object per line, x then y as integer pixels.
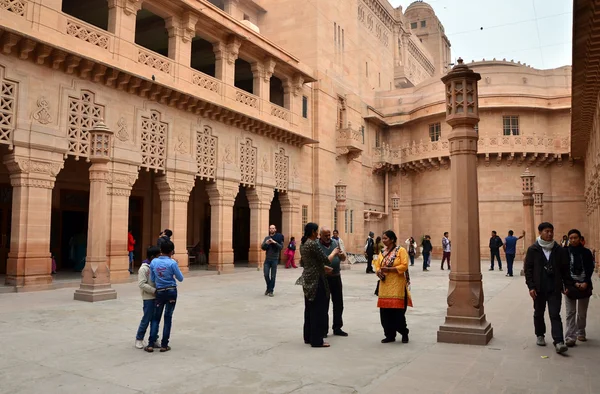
{"type": "Point", "coordinates": [122, 133]}
{"type": "Point", "coordinates": [42, 113]}
{"type": "Point", "coordinates": [18, 164]}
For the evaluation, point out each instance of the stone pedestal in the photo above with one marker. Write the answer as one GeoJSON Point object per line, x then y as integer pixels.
{"type": "Point", "coordinates": [29, 260]}
{"type": "Point", "coordinates": [259, 199]}
{"type": "Point", "coordinates": [95, 277]}
{"type": "Point", "coordinates": [465, 318]}
{"type": "Point", "coordinates": [221, 195]}
{"type": "Point", "coordinates": [174, 190]}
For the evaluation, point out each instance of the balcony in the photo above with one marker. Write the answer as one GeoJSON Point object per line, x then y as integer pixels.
{"type": "Point", "coordinates": [350, 142]}
{"type": "Point", "coordinates": [428, 155]}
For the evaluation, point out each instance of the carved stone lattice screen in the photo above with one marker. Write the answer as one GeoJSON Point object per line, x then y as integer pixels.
{"type": "Point", "coordinates": [248, 155]}
{"type": "Point", "coordinates": [154, 142]}
{"type": "Point", "coordinates": [206, 153]}
{"type": "Point", "coordinates": [84, 113]}
{"type": "Point", "coordinates": [282, 170]}
{"type": "Point", "coordinates": [8, 100]}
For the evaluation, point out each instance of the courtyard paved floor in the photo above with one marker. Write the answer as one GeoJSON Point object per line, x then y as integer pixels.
{"type": "Point", "coordinates": [229, 338]}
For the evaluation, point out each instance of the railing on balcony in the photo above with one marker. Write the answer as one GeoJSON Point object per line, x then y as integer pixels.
{"type": "Point", "coordinates": [16, 6]}
{"type": "Point", "coordinates": [88, 33]}
{"type": "Point", "coordinates": [350, 142]}
{"type": "Point", "coordinates": [155, 60]}
{"type": "Point", "coordinates": [281, 113]}
{"type": "Point", "coordinates": [246, 98]}
{"type": "Point", "coordinates": [207, 82]}
{"type": "Point", "coordinates": [508, 145]}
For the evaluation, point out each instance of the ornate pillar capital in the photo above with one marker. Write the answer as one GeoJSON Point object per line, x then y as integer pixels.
{"type": "Point", "coordinates": [175, 187]}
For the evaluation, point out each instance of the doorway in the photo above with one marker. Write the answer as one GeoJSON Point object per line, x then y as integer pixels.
{"type": "Point", "coordinates": [5, 222]}
{"type": "Point", "coordinates": [136, 224]}
{"type": "Point", "coordinates": [275, 215]}
{"type": "Point", "coordinates": [241, 227]}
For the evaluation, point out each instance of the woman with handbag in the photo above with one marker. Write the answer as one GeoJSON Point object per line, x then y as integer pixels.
{"type": "Point", "coordinates": [577, 297]}
{"type": "Point", "coordinates": [391, 267]}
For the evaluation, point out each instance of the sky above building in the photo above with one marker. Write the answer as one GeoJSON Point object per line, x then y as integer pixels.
{"type": "Point", "coordinates": [536, 32]}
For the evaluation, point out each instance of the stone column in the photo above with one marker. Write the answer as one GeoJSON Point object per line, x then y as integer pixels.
{"type": "Point", "coordinates": [174, 190]}
{"type": "Point", "coordinates": [538, 202]}
{"type": "Point", "coordinates": [259, 199]}
{"type": "Point", "coordinates": [121, 18]}
{"type": "Point", "coordinates": [221, 195]}
{"type": "Point", "coordinates": [32, 179]}
{"type": "Point", "coordinates": [181, 31]}
{"type": "Point", "coordinates": [119, 191]}
{"type": "Point", "coordinates": [262, 71]}
{"type": "Point", "coordinates": [340, 207]}
{"type": "Point", "coordinates": [527, 187]}
{"type": "Point", "coordinates": [396, 214]}
{"type": "Point", "coordinates": [95, 277]}
{"type": "Point", "coordinates": [226, 53]}
{"type": "Point", "coordinates": [465, 318]}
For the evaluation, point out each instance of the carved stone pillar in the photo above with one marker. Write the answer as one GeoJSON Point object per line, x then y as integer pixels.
{"type": "Point", "coordinates": [95, 277]}
{"type": "Point", "coordinates": [221, 195]}
{"type": "Point", "coordinates": [340, 207]}
{"type": "Point", "coordinates": [465, 318]}
{"type": "Point", "coordinates": [396, 214]}
{"type": "Point", "coordinates": [226, 53]}
{"type": "Point", "coordinates": [181, 31]}
{"type": "Point", "coordinates": [121, 18]}
{"type": "Point", "coordinates": [29, 260]}
{"type": "Point", "coordinates": [262, 73]}
{"type": "Point", "coordinates": [290, 217]}
{"type": "Point", "coordinates": [259, 199]}
{"type": "Point", "coordinates": [527, 187]}
{"type": "Point", "coordinates": [119, 191]}
{"type": "Point", "coordinates": [538, 202]}
{"type": "Point", "coordinates": [174, 190]}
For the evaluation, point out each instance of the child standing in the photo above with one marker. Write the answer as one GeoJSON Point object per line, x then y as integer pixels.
{"type": "Point", "coordinates": [163, 271]}
{"type": "Point", "coordinates": [148, 291]}
{"type": "Point", "coordinates": [290, 252]}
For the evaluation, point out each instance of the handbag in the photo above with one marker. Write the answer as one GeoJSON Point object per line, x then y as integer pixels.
{"type": "Point", "coordinates": [576, 294]}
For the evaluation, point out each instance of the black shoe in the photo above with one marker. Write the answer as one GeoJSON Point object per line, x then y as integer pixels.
{"type": "Point", "coordinates": [500, 269]}
{"type": "Point", "coordinates": [411, 265]}
{"type": "Point", "coordinates": [266, 292]}
{"type": "Point", "coordinates": [491, 269]}
{"type": "Point", "coordinates": [405, 336]}
{"type": "Point", "coordinates": [442, 268]}
{"type": "Point", "coordinates": [425, 269]}
{"type": "Point", "coordinates": [340, 333]}
{"type": "Point", "coordinates": [388, 340]}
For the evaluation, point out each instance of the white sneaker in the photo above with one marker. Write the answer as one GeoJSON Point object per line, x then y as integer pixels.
{"type": "Point", "coordinates": [139, 344]}
{"type": "Point", "coordinates": [561, 348]}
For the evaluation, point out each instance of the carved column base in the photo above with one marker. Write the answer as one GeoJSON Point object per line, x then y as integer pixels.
{"type": "Point", "coordinates": [223, 264]}
{"type": "Point", "coordinates": [465, 330]}
{"type": "Point", "coordinates": [94, 293]}
{"type": "Point", "coordinates": [28, 271]}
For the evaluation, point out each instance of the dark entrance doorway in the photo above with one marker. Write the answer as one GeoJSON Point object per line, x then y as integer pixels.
{"type": "Point", "coordinates": [5, 221]}
{"type": "Point", "coordinates": [275, 216]}
{"type": "Point", "coordinates": [136, 225]}
{"type": "Point", "coordinates": [73, 224]}
{"type": "Point", "coordinates": [241, 228]}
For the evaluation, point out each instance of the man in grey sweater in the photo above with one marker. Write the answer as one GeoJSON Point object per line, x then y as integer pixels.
{"type": "Point", "coordinates": [272, 244]}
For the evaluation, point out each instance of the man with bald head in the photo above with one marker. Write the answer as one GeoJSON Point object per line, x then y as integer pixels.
{"type": "Point", "coordinates": [334, 280]}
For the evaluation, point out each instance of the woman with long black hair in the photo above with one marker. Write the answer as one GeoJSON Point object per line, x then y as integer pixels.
{"type": "Point", "coordinates": [391, 267]}
{"type": "Point", "coordinates": [314, 284]}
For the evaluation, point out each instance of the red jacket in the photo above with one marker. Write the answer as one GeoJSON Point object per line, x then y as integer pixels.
{"type": "Point", "coordinates": [130, 242]}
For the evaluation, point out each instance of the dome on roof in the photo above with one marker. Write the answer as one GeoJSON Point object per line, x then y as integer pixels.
{"type": "Point", "coordinates": [418, 4]}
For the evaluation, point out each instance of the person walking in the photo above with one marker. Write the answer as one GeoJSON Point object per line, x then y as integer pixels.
{"type": "Point", "coordinates": [394, 296]}
{"type": "Point", "coordinates": [411, 247]}
{"type": "Point", "coordinates": [148, 291]}
{"type": "Point", "coordinates": [314, 285]}
{"type": "Point", "coordinates": [447, 247]}
{"type": "Point", "coordinates": [130, 248]}
{"type": "Point", "coordinates": [510, 250]}
{"type": "Point", "coordinates": [495, 245]}
{"type": "Point", "coordinates": [290, 252]}
{"type": "Point", "coordinates": [369, 252]}
{"type": "Point", "coordinates": [577, 297]}
{"type": "Point", "coordinates": [163, 272]}
{"type": "Point", "coordinates": [546, 275]}
{"type": "Point", "coordinates": [427, 248]}
{"type": "Point", "coordinates": [272, 244]}
{"type": "Point", "coordinates": [334, 281]}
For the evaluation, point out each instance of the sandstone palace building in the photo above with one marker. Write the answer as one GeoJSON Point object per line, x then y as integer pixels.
{"type": "Point", "coordinates": [217, 118]}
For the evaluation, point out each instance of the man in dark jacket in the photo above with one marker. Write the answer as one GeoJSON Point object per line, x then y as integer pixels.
{"type": "Point", "coordinates": [547, 275]}
{"type": "Point", "coordinates": [164, 237]}
{"type": "Point", "coordinates": [369, 252]}
{"type": "Point", "coordinates": [427, 248]}
{"type": "Point", "coordinates": [495, 245]}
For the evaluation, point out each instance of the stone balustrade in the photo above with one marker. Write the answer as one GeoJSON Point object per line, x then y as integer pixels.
{"type": "Point", "coordinates": [433, 154]}
{"type": "Point", "coordinates": [350, 142]}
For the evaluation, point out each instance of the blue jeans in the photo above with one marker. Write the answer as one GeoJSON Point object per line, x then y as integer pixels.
{"type": "Point", "coordinates": [130, 261]}
{"type": "Point", "coordinates": [165, 301]}
{"type": "Point", "coordinates": [495, 253]}
{"type": "Point", "coordinates": [148, 309]}
{"type": "Point", "coordinates": [425, 260]}
{"type": "Point", "coordinates": [270, 271]}
{"type": "Point", "coordinates": [412, 259]}
{"type": "Point", "coordinates": [510, 259]}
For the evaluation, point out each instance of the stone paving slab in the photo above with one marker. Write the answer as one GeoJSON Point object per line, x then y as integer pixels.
{"type": "Point", "coordinates": [229, 338]}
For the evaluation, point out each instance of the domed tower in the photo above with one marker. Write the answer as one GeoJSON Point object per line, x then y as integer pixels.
{"type": "Point", "coordinates": [428, 28]}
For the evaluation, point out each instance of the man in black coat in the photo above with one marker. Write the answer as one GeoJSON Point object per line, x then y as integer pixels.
{"type": "Point", "coordinates": [495, 245]}
{"type": "Point", "coordinates": [547, 276]}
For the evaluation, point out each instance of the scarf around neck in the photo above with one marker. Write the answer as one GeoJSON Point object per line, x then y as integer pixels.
{"type": "Point", "coordinates": [547, 246]}
{"type": "Point", "coordinates": [576, 254]}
